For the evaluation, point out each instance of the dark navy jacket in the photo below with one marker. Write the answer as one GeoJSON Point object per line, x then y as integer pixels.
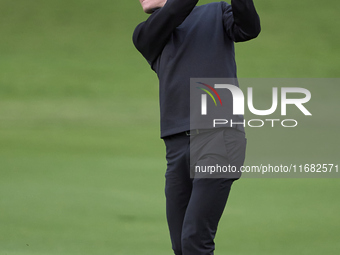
{"type": "Point", "coordinates": [182, 41]}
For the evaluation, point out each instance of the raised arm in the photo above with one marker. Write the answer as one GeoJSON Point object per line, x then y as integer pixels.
{"type": "Point", "coordinates": [241, 21]}
{"type": "Point", "coordinates": [151, 36]}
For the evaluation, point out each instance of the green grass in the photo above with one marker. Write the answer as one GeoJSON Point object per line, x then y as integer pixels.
{"type": "Point", "coordinates": [81, 163]}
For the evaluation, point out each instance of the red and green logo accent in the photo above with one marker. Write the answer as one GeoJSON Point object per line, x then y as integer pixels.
{"type": "Point", "coordinates": [209, 93]}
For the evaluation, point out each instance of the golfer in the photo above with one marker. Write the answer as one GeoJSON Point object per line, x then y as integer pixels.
{"type": "Point", "coordinates": [180, 41]}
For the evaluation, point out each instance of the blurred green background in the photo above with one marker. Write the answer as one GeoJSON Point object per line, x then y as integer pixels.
{"type": "Point", "coordinates": [81, 163]}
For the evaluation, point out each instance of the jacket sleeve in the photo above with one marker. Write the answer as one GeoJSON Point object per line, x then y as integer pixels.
{"type": "Point", "coordinates": [241, 21]}
{"type": "Point", "coordinates": [151, 36]}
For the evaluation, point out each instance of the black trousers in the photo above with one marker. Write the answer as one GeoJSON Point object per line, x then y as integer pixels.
{"type": "Point", "coordinates": [194, 206]}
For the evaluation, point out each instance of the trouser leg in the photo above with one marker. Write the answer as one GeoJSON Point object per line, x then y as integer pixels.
{"type": "Point", "coordinates": [207, 202]}
{"type": "Point", "coordinates": [209, 194]}
{"type": "Point", "coordinates": [177, 187]}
